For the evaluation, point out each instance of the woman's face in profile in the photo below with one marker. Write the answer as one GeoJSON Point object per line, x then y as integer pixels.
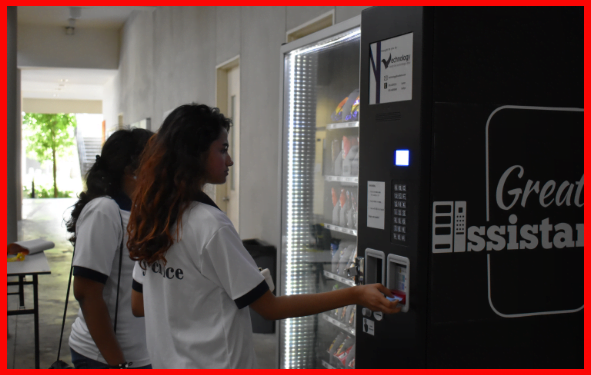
{"type": "Point", "coordinates": [218, 161]}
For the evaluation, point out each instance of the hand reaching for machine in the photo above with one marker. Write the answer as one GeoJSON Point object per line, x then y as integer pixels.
{"type": "Point", "coordinates": [372, 297]}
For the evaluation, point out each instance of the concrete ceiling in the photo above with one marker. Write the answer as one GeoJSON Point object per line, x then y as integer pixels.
{"type": "Point", "coordinates": [56, 83]}
{"type": "Point", "coordinates": [95, 17]}
{"type": "Point", "coordinates": [76, 84]}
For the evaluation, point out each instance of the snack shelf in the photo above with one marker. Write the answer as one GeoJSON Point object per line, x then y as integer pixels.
{"type": "Point", "coordinates": [343, 326]}
{"type": "Point", "coordinates": [350, 180]}
{"type": "Point", "coordinates": [342, 125]}
{"type": "Point", "coordinates": [331, 367]}
{"type": "Point", "coordinates": [338, 278]}
{"type": "Point", "coordinates": [328, 365]}
{"type": "Point", "coordinates": [352, 232]}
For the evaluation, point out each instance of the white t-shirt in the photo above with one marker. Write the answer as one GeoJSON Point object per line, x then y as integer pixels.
{"type": "Point", "coordinates": [194, 305]}
{"type": "Point", "coordinates": [96, 257]}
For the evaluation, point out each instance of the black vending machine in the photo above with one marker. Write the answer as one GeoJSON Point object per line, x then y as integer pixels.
{"type": "Point", "coordinates": [471, 186]}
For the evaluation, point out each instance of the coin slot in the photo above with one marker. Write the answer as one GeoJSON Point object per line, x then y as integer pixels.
{"type": "Point", "coordinates": [374, 266]}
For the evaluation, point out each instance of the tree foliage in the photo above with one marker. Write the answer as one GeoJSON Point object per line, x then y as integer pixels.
{"type": "Point", "coordinates": [49, 136]}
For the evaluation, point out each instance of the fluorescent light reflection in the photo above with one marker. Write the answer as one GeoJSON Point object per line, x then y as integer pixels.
{"type": "Point", "coordinates": [300, 85]}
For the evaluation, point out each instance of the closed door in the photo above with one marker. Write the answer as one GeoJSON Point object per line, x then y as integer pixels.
{"type": "Point", "coordinates": [233, 182]}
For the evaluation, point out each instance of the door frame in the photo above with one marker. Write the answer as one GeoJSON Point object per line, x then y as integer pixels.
{"type": "Point", "coordinates": [221, 101]}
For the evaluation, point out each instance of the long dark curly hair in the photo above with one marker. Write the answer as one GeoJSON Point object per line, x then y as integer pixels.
{"type": "Point", "coordinates": [171, 175]}
{"type": "Point", "coordinates": [121, 153]}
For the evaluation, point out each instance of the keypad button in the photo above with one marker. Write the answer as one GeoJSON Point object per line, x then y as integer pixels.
{"type": "Point", "coordinates": [402, 212]}
{"type": "Point", "coordinates": [402, 237]}
{"type": "Point", "coordinates": [403, 229]}
{"type": "Point", "coordinates": [403, 204]}
{"type": "Point", "coordinates": [403, 221]}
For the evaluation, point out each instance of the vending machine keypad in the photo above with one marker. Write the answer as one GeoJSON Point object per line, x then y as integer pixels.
{"type": "Point", "coordinates": [399, 211]}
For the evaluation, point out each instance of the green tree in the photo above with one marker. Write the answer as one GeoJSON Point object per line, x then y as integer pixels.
{"type": "Point", "coordinates": [49, 137]}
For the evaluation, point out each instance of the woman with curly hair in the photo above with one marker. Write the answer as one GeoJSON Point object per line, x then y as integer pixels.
{"type": "Point", "coordinates": [106, 334]}
{"type": "Point", "coordinates": [194, 278]}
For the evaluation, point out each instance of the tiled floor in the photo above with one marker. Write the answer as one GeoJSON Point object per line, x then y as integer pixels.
{"type": "Point", "coordinates": [44, 218]}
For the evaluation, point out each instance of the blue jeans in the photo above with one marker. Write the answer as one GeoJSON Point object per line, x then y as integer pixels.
{"type": "Point", "coordinates": [81, 362]}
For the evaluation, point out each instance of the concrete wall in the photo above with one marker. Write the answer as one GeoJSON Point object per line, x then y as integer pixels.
{"type": "Point", "coordinates": [50, 47]}
{"type": "Point", "coordinates": [168, 58]}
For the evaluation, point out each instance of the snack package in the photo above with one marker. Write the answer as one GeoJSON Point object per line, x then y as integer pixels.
{"type": "Point", "coordinates": [351, 152]}
{"type": "Point", "coordinates": [338, 164]}
{"type": "Point", "coordinates": [346, 146]}
{"type": "Point", "coordinates": [355, 209]}
{"type": "Point", "coordinates": [343, 356]}
{"type": "Point", "coordinates": [334, 264]}
{"type": "Point", "coordinates": [343, 261]}
{"type": "Point", "coordinates": [351, 261]}
{"type": "Point", "coordinates": [336, 343]}
{"type": "Point", "coordinates": [336, 257]}
{"type": "Point", "coordinates": [348, 106]}
{"type": "Point", "coordinates": [354, 111]}
{"type": "Point", "coordinates": [343, 211]}
{"type": "Point", "coordinates": [337, 115]}
{"type": "Point", "coordinates": [348, 315]}
{"type": "Point", "coordinates": [18, 258]}
{"type": "Point", "coordinates": [351, 357]}
{"type": "Point", "coordinates": [350, 215]}
{"type": "Point", "coordinates": [334, 245]}
{"type": "Point", "coordinates": [346, 344]}
{"type": "Point", "coordinates": [355, 161]}
{"type": "Point", "coordinates": [335, 151]}
{"type": "Point", "coordinates": [343, 315]}
{"type": "Point", "coordinates": [337, 207]}
{"type": "Point", "coordinates": [352, 316]}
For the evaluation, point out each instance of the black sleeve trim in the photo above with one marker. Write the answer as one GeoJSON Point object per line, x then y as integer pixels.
{"type": "Point", "coordinates": [253, 295]}
{"type": "Point", "coordinates": [93, 275]}
{"type": "Point", "coordinates": [137, 287]}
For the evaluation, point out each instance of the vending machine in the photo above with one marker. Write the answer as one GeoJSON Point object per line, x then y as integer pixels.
{"type": "Point", "coordinates": [470, 195]}
{"type": "Point", "coordinates": [319, 201]}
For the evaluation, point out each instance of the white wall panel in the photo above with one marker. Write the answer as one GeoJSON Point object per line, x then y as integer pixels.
{"type": "Point", "coordinates": [344, 13]}
{"type": "Point", "coordinates": [263, 31]}
{"type": "Point", "coordinates": [136, 68]}
{"type": "Point", "coordinates": [227, 36]}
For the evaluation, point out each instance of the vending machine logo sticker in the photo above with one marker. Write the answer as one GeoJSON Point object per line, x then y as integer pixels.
{"type": "Point", "coordinates": [391, 78]}
{"type": "Point", "coordinates": [512, 191]}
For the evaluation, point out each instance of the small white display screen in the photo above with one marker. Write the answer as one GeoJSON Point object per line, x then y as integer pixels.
{"type": "Point", "coordinates": [402, 158]}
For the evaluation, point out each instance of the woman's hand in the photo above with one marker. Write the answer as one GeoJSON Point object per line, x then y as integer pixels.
{"type": "Point", "coordinates": [372, 297]}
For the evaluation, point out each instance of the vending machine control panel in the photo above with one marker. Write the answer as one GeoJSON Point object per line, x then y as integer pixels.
{"type": "Point", "coordinates": [399, 211]}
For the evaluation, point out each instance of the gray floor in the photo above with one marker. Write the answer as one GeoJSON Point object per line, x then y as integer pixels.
{"type": "Point", "coordinates": [44, 218]}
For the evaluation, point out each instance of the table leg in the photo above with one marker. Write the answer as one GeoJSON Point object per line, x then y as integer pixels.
{"type": "Point", "coordinates": [36, 314]}
{"type": "Point", "coordinates": [21, 291]}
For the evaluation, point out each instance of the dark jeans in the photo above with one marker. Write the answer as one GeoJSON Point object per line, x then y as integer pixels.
{"type": "Point", "coordinates": [81, 362]}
